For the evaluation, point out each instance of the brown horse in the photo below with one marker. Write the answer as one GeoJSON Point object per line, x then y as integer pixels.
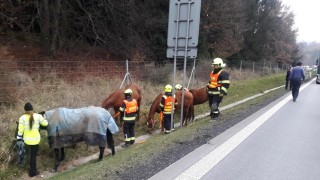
{"type": "Point", "coordinates": [200, 95]}
{"type": "Point", "coordinates": [116, 98]}
{"type": "Point", "coordinates": [188, 110]}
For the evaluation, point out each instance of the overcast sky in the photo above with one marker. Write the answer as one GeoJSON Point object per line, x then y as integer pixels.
{"type": "Point", "coordinates": [307, 14]}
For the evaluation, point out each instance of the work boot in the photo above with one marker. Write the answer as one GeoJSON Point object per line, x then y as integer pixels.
{"type": "Point", "coordinates": [125, 145]}
{"type": "Point", "coordinates": [132, 141]}
{"type": "Point", "coordinates": [32, 174]}
{"type": "Point", "coordinates": [214, 120]}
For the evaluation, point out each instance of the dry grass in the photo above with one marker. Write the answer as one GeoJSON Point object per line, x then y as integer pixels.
{"type": "Point", "coordinates": [48, 91]}
{"type": "Point", "coordinates": [51, 92]}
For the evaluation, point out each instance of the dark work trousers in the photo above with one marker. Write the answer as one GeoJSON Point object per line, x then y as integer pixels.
{"type": "Point", "coordinates": [295, 84]}
{"type": "Point", "coordinates": [167, 122]}
{"type": "Point", "coordinates": [214, 102]}
{"type": "Point", "coordinates": [288, 84]}
{"type": "Point", "coordinates": [33, 159]}
{"type": "Point", "coordinates": [128, 131]}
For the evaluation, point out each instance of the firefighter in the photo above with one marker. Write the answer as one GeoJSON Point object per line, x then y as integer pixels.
{"type": "Point", "coordinates": [167, 107]}
{"type": "Point", "coordinates": [217, 87]}
{"type": "Point", "coordinates": [128, 115]}
{"type": "Point", "coordinates": [28, 131]}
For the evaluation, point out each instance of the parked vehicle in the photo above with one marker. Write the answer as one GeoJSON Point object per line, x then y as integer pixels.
{"type": "Point", "coordinates": [318, 75]}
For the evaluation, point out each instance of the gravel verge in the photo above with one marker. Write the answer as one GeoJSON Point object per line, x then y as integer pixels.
{"type": "Point", "coordinates": [161, 160]}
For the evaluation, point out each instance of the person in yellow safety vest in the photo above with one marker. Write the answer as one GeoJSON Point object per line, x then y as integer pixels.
{"type": "Point", "coordinates": [217, 87]}
{"type": "Point", "coordinates": [128, 115]}
{"type": "Point", "coordinates": [166, 107]}
{"type": "Point", "coordinates": [28, 131]}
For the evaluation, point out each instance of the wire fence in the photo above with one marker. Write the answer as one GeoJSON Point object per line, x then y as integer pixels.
{"type": "Point", "coordinates": [15, 74]}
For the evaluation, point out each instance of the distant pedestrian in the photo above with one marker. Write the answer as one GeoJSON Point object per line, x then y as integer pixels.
{"type": "Point", "coordinates": [296, 77]}
{"type": "Point", "coordinates": [287, 79]}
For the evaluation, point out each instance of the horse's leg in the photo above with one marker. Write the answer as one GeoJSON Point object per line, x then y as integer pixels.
{"type": "Point", "coordinates": [185, 115]}
{"type": "Point", "coordinates": [56, 159]}
{"type": "Point", "coordinates": [101, 152]}
{"type": "Point", "coordinates": [138, 114]}
{"type": "Point", "coordinates": [192, 112]}
{"type": "Point", "coordinates": [110, 141]}
{"type": "Point", "coordinates": [62, 157]}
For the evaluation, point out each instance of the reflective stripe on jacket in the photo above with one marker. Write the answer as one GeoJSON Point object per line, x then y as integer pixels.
{"type": "Point", "coordinates": [167, 104]}
{"type": "Point", "coordinates": [31, 136]}
{"type": "Point", "coordinates": [129, 109]}
{"type": "Point", "coordinates": [214, 80]}
{"type": "Point", "coordinates": [219, 83]}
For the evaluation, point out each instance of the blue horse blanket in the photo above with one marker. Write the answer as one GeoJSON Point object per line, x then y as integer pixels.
{"type": "Point", "coordinates": [70, 126]}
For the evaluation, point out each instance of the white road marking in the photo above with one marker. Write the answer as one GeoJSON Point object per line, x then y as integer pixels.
{"type": "Point", "coordinates": [204, 165]}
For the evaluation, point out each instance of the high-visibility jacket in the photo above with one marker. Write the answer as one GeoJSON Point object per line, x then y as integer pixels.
{"type": "Point", "coordinates": [166, 104]}
{"type": "Point", "coordinates": [219, 83]}
{"type": "Point", "coordinates": [31, 136]}
{"type": "Point", "coordinates": [129, 110]}
{"type": "Point", "coordinates": [214, 80]}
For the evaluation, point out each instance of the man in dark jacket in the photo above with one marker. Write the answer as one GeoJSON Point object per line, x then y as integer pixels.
{"type": "Point", "coordinates": [217, 87]}
{"type": "Point", "coordinates": [287, 78]}
{"type": "Point", "coordinates": [296, 77]}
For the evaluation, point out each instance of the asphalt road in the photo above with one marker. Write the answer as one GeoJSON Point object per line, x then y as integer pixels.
{"type": "Point", "coordinates": [279, 141]}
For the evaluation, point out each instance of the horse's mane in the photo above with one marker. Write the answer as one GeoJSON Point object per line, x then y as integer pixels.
{"type": "Point", "coordinates": [112, 98]}
{"type": "Point", "coordinates": [133, 87]}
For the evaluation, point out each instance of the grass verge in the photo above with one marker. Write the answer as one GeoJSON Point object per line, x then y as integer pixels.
{"type": "Point", "coordinates": [91, 91]}
{"type": "Point", "coordinates": [140, 154]}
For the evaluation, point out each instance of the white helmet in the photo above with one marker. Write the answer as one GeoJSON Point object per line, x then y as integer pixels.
{"type": "Point", "coordinates": [168, 88]}
{"type": "Point", "coordinates": [178, 87]}
{"type": "Point", "coordinates": [219, 62]}
{"type": "Point", "coordinates": [128, 92]}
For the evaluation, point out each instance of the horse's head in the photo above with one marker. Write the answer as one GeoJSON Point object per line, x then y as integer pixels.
{"type": "Point", "coordinates": [150, 123]}
{"type": "Point", "coordinates": [43, 114]}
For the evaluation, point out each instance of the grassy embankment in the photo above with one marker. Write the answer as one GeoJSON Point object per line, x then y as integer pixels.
{"type": "Point", "coordinates": [141, 153]}
{"type": "Point", "coordinates": [91, 92]}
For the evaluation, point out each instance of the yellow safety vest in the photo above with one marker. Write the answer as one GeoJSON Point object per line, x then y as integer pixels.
{"type": "Point", "coordinates": [214, 80]}
{"type": "Point", "coordinates": [31, 136]}
{"type": "Point", "coordinates": [168, 104]}
{"type": "Point", "coordinates": [130, 112]}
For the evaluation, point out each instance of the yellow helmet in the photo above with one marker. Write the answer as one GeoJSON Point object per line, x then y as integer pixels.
{"type": "Point", "coordinates": [128, 92]}
{"type": "Point", "coordinates": [218, 61]}
{"type": "Point", "coordinates": [168, 88]}
{"type": "Point", "coordinates": [178, 86]}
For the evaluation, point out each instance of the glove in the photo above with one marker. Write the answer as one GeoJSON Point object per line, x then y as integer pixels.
{"type": "Point", "coordinates": [221, 95]}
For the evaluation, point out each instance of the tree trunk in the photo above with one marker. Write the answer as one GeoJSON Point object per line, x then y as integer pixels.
{"type": "Point", "coordinates": [55, 26]}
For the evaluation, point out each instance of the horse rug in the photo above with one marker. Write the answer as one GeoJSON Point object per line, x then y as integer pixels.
{"type": "Point", "coordinates": [70, 126]}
